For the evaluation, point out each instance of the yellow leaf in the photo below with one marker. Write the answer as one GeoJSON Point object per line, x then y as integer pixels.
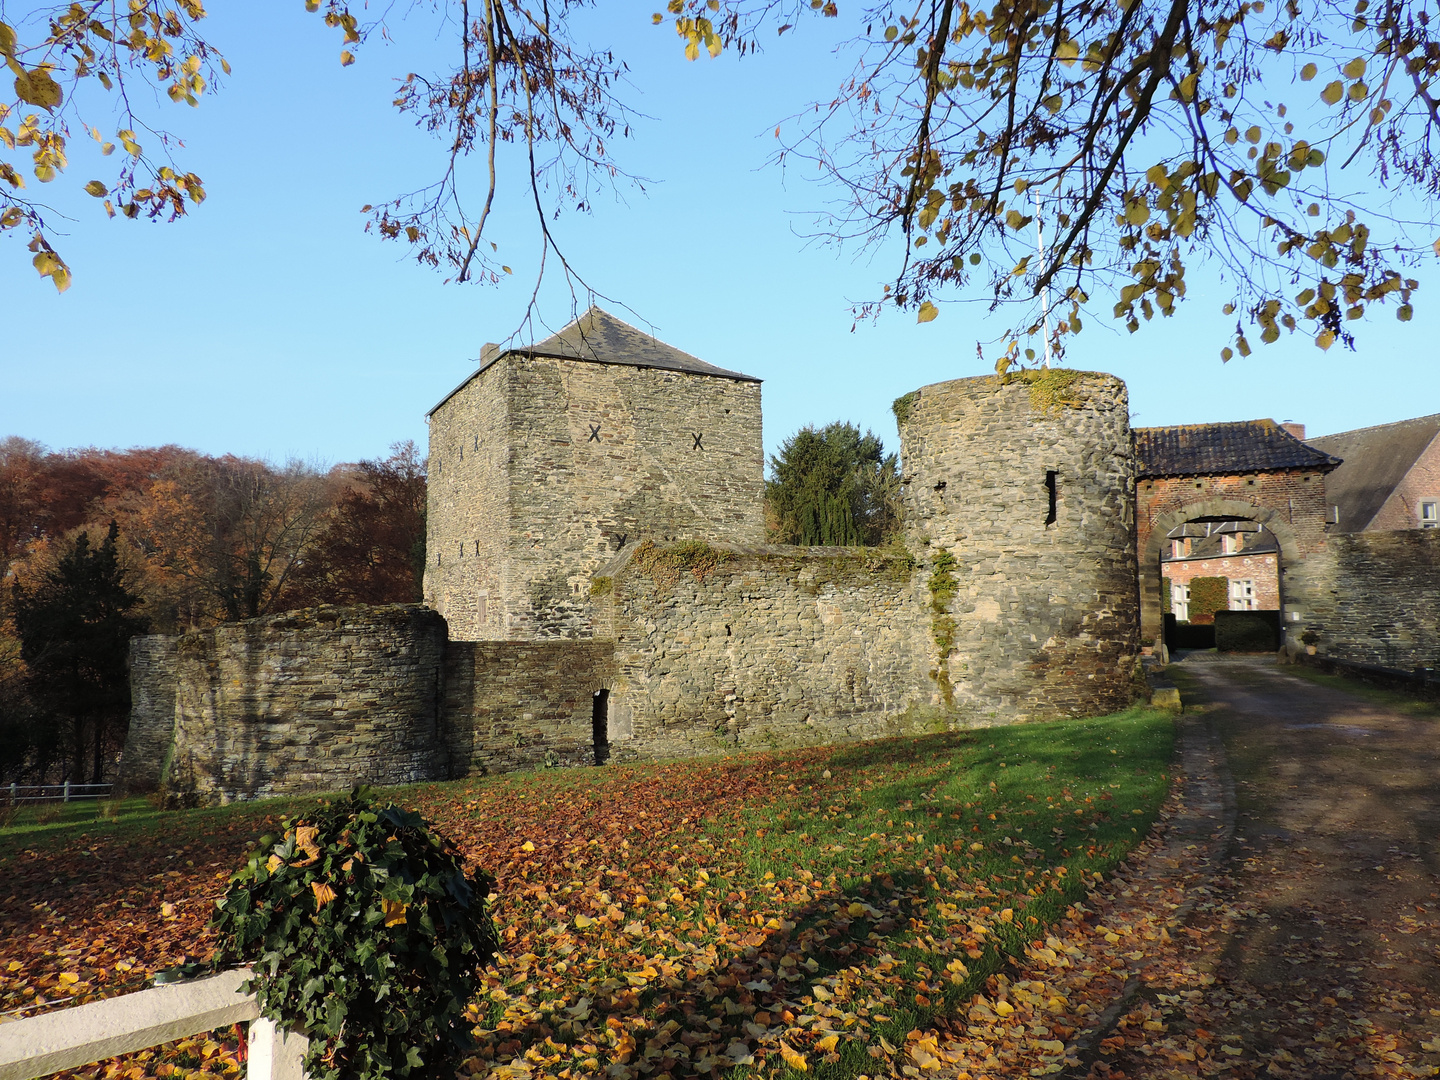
{"type": "Point", "coordinates": [1332, 93]}
{"type": "Point", "coordinates": [1325, 339]}
{"type": "Point", "coordinates": [8, 40]}
{"type": "Point", "coordinates": [855, 910]}
{"type": "Point", "coordinates": [527, 846]}
{"type": "Point", "coordinates": [346, 58]}
{"type": "Point", "coordinates": [583, 922]}
{"type": "Point", "coordinates": [821, 994]}
{"type": "Point", "coordinates": [394, 912]}
{"type": "Point", "coordinates": [14, 965]}
{"type": "Point", "coordinates": [38, 88]}
{"type": "Point", "coordinates": [1308, 72]}
{"type": "Point", "coordinates": [1354, 69]}
{"type": "Point", "coordinates": [274, 863]}
{"type": "Point", "coordinates": [1004, 1008]}
{"type": "Point", "coordinates": [96, 188]}
{"type": "Point", "coordinates": [795, 1060]}
{"type": "Point", "coordinates": [827, 1044]}
{"type": "Point", "coordinates": [167, 910]}
{"type": "Point", "coordinates": [323, 893]}
{"type": "Point", "coordinates": [928, 312]}
{"type": "Point", "coordinates": [69, 978]}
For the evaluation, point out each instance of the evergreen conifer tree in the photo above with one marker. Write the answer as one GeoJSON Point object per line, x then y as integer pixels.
{"type": "Point", "coordinates": [75, 630]}
{"type": "Point", "coordinates": [833, 486]}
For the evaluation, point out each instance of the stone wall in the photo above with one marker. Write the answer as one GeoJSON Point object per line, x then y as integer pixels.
{"type": "Point", "coordinates": [1020, 500]}
{"type": "Point", "coordinates": [1374, 599]}
{"type": "Point", "coordinates": [313, 700]}
{"type": "Point", "coordinates": [525, 704]}
{"type": "Point", "coordinates": [152, 712]}
{"type": "Point", "coordinates": [543, 468]}
{"type": "Point", "coordinates": [720, 646]}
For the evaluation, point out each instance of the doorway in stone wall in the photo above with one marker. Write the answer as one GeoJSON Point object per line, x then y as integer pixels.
{"type": "Point", "coordinates": [600, 725]}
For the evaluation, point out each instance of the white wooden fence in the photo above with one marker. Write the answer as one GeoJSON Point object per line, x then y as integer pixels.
{"type": "Point", "coordinates": [69, 1038]}
{"type": "Point", "coordinates": [66, 792]}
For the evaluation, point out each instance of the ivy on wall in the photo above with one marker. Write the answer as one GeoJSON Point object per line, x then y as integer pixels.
{"type": "Point", "coordinates": [1207, 596]}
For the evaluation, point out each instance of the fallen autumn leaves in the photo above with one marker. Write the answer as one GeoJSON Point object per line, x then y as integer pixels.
{"type": "Point", "coordinates": [832, 911]}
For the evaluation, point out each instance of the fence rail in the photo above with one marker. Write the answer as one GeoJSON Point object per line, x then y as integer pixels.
{"type": "Point", "coordinates": [70, 1038]}
{"type": "Point", "coordinates": [66, 792]}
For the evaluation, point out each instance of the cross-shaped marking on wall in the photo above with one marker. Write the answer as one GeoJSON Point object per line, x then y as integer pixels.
{"type": "Point", "coordinates": [620, 540]}
{"type": "Point", "coordinates": [594, 433]}
{"type": "Point", "coordinates": [697, 436]}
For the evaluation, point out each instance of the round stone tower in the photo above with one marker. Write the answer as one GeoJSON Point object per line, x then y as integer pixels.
{"type": "Point", "coordinates": [1020, 502]}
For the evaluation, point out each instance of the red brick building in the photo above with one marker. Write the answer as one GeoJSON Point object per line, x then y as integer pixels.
{"type": "Point", "coordinates": [1245, 554]}
{"type": "Point", "coordinates": [1389, 478]}
{"type": "Point", "coordinates": [1246, 471]}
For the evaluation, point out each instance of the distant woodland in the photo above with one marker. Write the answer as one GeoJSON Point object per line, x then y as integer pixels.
{"type": "Point", "coordinates": [99, 545]}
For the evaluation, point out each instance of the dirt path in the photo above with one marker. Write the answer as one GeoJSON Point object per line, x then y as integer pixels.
{"type": "Point", "coordinates": [1313, 951]}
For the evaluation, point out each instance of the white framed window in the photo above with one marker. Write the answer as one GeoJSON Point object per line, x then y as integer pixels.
{"type": "Point", "coordinates": [1242, 594]}
{"type": "Point", "coordinates": [1180, 601]}
{"type": "Point", "coordinates": [1430, 513]}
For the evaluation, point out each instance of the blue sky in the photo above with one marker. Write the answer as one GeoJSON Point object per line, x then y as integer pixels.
{"type": "Point", "coordinates": [269, 324]}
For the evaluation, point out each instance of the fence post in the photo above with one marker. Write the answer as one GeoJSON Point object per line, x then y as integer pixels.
{"type": "Point", "coordinates": [14, 792]}
{"type": "Point", "coordinates": [274, 1053]}
{"type": "Point", "coordinates": [67, 791]}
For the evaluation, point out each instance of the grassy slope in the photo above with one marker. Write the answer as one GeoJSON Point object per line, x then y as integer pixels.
{"type": "Point", "coordinates": [676, 918]}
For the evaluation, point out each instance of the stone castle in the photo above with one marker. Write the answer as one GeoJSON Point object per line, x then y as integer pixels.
{"type": "Point", "coordinates": [598, 587]}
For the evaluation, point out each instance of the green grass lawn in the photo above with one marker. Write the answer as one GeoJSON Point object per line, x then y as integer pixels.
{"type": "Point", "coordinates": [749, 914]}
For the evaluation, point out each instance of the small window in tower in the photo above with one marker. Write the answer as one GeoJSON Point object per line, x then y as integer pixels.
{"type": "Point", "coordinates": [482, 608]}
{"type": "Point", "coordinates": [1050, 516]}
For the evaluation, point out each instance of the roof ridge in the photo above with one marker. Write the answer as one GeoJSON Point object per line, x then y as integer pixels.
{"type": "Point", "coordinates": [1435, 417]}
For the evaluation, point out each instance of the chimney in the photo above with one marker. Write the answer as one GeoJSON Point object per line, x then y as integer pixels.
{"type": "Point", "coordinates": [489, 351]}
{"type": "Point", "coordinates": [1298, 430]}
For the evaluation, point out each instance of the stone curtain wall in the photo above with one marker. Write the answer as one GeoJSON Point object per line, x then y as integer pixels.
{"type": "Point", "coordinates": [718, 647]}
{"type": "Point", "coordinates": [1020, 498]}
{"type": "Point", "coordinates": [523, 704]}
{"type": "Point", "coordinates": [576, 460]}
{"type": "Point", "coordinates": [467, 507]}
{"type": "Point", "coordinates": [1376, 599]}
{"type": "Point", "coordinates": [152, 711]}
{"type": "Point", "coordinates": [313, 700]}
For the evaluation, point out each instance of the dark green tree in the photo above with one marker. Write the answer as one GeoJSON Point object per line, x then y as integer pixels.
{"type": "Point", "coordinates": [833, 486]}
{"type": "Point", "coordinates": [75, 630]}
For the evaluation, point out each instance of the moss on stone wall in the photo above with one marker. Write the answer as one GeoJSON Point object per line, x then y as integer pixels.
{"type": "Point", "coordinates": [943, 586]}
{"type": "Point", "coordinates": [1051, 389]}
{"type": "Point", "coordinates": [666, 564]}
{"type": "Point", "coordinates": [902, 405]}
{"type": "Point", "coordinates": [602, 586]}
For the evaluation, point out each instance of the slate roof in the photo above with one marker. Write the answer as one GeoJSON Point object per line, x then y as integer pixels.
{"type": "Point", "coordinates": [1242, 446]}
{"type": "Point", "coordinates": [598, 337]}
{"type": "Point", "coordinates": [1260, 542]}
{"type": "Point", "coordinates": [1376, 459]}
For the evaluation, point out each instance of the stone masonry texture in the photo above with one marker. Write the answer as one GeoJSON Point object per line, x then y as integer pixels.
{"type": "Point", "coordinates": [312, 700]}
{"type": "Point", "coordinates": [1026, 488]}
{"type": "Point", "coordinates": [1374, 598]}
{"type": "Point", "coordinates": [719, 647]}
{"type": "Point", "coordinates": [543, 468]}
{"type": "Point", "coordinates": [152, 711]}
{"type": "Point", "coordinates": [524, 704]}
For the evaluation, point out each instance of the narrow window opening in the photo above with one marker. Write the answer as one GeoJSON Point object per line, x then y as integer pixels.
{"type": "Point", "coordinates": [727, 629]}
{"type": "Point", "coordinates": [600, 725]}
{"type": "Point", "coordinates": [1050, 517]}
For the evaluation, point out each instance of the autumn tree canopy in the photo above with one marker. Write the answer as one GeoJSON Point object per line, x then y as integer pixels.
{"type": "Point", "coordinates": [1081, 155]}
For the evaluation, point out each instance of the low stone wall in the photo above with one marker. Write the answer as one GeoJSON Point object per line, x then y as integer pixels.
{"type": "Point", "coordinates": [1374, 599]}
{"type": "Point", "coordinates": [524, 704]}
{"type": "Point", "coordinates": [718, 647]}
{"type": "Point", "coordinates": [313, 700]}
{"type": "Point", "coordinates": [152, 712]}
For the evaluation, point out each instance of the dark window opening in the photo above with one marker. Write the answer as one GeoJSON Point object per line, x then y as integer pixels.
{"type": "Point", "coordinates": [600, 725]}
{"type": "Point", "coordinates": [940, 487]}
{"type": "Point", "coordinates": [1050, 516]}
{"type": "Point", "coordinates": [727, 629]}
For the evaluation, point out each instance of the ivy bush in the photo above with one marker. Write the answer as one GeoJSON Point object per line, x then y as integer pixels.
{"type": "Point", "coordinates": [365, 934]}
{"type": "Point", "coordinates": [1207, 596]}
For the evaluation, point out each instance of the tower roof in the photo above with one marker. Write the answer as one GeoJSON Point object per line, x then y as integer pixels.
{"type": "Point", "coordinates": [597, 337]}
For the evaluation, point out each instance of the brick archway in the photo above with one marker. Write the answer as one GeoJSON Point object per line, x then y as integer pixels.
{"type": "Point", "coordinates": [1151, 617]}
